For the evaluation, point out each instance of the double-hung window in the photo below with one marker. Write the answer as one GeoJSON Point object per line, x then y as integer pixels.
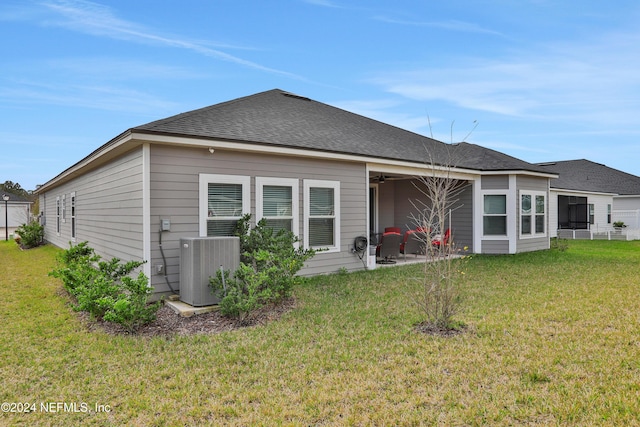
{"type": "Point", "coordinates": [322, 215]}
{"type": "Point", "coordinates": [73, 216]}
{"type": "Point", "coordinates": [277, 203]}
{"type": "Point", "coordinates": [58, 215]}
{"type": "Point", "coordinates": [224, 199]}
{"type": "Point", "coordinates": [495, 215]}
{"type": "Point", "coordinates": [532, 214]}
{"type": "Point", "coordinates": [64, 208]}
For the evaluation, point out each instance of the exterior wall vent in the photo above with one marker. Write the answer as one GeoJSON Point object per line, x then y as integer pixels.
{"type": "Point", "coordinates": [201, 258]}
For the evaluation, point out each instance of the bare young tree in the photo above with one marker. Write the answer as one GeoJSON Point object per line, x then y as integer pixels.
{"type": "Point", "coordinates": [439, 299]}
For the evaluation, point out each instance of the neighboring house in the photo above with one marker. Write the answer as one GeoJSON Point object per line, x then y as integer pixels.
{"type": "Point", "coordinates": [591, 196]}
{"type": "Point", "coordinates": [327, 174]}
{"type": "Point", "coordinates": [16, 212]}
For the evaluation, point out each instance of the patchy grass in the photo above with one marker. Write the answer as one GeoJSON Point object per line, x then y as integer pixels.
{"type": "Point", "coordinates": [551, 338]}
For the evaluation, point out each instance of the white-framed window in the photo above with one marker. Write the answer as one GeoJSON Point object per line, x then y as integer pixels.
{"type": "Point", "coordinates": [592, 213]}
{"type": "Point", "coordinates": [322, 215]}
{"type": "Point", "coordinates": [494, 220]}
{"type": "Point", "coordinates": [277, 202]}
{"type": "Point", "coordinates": [73, 216]}
{"type": "Point", "coordinates": [533, 218]}
{"type": "Point", "coordinates": [608, 214]}
{"type": "Point", "coordinates": [224, 199]}
{"type": "Point", "coordinates": [63, 202]}
{"type": "Point", "coordinates": [58, 215]}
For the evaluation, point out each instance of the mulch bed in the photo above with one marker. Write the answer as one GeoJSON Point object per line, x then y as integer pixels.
{"type": "Point", "coordinates": [168, 323]}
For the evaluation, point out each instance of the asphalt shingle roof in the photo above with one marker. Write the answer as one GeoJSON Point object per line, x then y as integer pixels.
{"type": "Point", "coordinates": [585, 175]}
{"type": "Point", "coordinates": [279, 118]}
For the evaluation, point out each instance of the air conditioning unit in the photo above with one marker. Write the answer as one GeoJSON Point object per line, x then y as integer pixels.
{"type": "Point", "coordinates": [201, 258]}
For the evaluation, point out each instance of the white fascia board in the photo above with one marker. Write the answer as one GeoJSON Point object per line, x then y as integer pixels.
{"type": "Point", "coordinates": [374, 164]}
{"type": "Point", "coordinates": [562, 191]}
{"type": "Point", "coordinates": [76, 169]}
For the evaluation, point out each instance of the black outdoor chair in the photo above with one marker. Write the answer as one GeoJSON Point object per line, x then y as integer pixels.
{"type": "Point", "coordinates": [389, 248]}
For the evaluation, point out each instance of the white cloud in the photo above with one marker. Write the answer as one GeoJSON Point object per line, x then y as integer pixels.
{"type": "Point", "coordinates": [323, 3]}
{"type": "Point", "coordinates": [101, 97]}
{"type": "Point", "coordinates": [99, 20]}
{"type": "Point", "coordinates": [449, 25]}
{"type": "Point", "coordinates": [588, 81]}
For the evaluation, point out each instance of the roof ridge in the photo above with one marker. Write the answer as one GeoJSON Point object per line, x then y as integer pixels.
{"type": "Point", "coordinates": [179, 116]}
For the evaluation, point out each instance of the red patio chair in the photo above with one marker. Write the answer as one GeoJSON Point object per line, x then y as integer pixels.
{"type": "Point", "coordinates": [441, 241]}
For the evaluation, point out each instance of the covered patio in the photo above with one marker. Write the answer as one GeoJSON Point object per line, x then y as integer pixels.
{"type": "Point", "coordinates": [397, 200]}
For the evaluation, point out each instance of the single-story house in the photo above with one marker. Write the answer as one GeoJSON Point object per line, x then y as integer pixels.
{"type": "Point", "coordinates": [325, 173]}
{"type": "Point", "coordinates": [14, 212]}
{"type": "Point", "coordinates": [591, 197]}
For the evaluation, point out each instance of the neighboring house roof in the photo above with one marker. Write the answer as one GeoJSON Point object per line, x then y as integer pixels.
{"type": "Point", "coordinates": [585, 175]}
{"type": "Point", "coordinates": [283, 119]}
{"type": "Point", "coordinates": [14, 198]}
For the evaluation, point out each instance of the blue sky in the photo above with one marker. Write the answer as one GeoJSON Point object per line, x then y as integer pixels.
{"type": "Point", "coordinates": [543, 80]}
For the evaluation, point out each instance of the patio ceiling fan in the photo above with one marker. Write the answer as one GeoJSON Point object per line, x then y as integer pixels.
{"type": "Point", "coordinates": [381, 178]}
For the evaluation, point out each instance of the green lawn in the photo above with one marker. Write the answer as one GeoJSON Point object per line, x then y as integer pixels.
{"type": "Point", "coordinates": [552, 338]}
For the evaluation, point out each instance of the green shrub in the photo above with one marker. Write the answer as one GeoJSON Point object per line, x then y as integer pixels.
{"type": "Point", "coordinates": [31, 235]}
{"type": "Point", "coordinates": [104, 289]}
{"type": "Point", "coordinates": [267, 272]}
{"type": "Point", "coordinates": [131, 308]}
{"type": "Point", "coordinates": [76, 267]}
{"type": "Point", "coordinates": [96, 296]}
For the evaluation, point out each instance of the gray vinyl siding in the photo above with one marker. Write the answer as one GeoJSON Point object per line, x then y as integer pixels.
{"type": "Point", "coordinates": [495, 246]}
{"type": "Point", "coordinates": [532, 183]}
{"type": "Point", "coordinates": [174, 195]}
{"type": "Point", "coordinates": [108, 209]}
{"type": "Point", "coordinates": [495, 182]}
{"type": "Point", "coordinates": [462, 221]}
{"type": "Point", "coordinates": [529, 183]}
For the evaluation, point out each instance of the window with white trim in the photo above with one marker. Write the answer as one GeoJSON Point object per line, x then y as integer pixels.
{"type": "Point", "coordinates": [322, 215]}
{"type": "Point", "coordinates": [494, 218]}
{"type": "Point", "coordinates": [608, 214]}
{"type": "Point", "coordinates": [73, 216]}
{"type": "Point", "coordinates": [224, 199]}
{"type": "Point", "coordinates": [592, 213]}
{"type": "Point", "coordinates": [532, 214]}
{"type": "Point", "coordinates": [277, 203]}
{"type": "Point", "coordinates": [64, 208]}
{"type": "Point", "coordinates": [58, 215]}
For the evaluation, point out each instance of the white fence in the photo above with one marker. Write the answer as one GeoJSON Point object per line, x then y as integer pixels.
{"type": "Point", "coordinates": [630, 231]}
{"type": "Point", "coordinates": [616, 234]}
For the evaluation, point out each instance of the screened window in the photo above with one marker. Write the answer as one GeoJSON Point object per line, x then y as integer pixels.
{"type": "Point", "coordinates": [322, 207]}
{"type": "Point", "coordinates": [224, 199]}
{"type": "Point", "coordinates": [495, 215]}
{"type": "Point", "coordinates": [277, 203]}
{"type": "Point", "coordinates": [532, 214]}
